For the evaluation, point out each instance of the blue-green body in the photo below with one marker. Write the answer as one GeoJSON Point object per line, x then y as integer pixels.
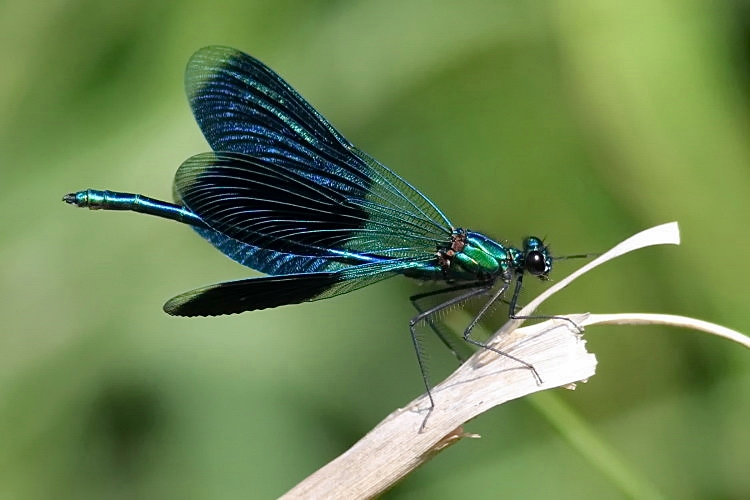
{"type": "Point", "coordinates": [466, 257]}
{"type": "Point", "coordinates": [283, 192]}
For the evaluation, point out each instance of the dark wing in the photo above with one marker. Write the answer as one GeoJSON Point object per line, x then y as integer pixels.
{"type": "Point", "coordinates": [242, 105]}
{"type": "Point", "coordinates": [280, 210]}
{"type": "Point", "coordinates": [283, 180]}
{"type": "Point", "coordinates": [271, 291]}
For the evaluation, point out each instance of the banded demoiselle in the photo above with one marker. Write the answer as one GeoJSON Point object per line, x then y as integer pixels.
{"type": "Point", "coordinates": [284, 193]}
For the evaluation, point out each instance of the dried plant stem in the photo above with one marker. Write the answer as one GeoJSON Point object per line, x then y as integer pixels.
{"type": "Point", "coordinates": [396, 446]}
{"type": "Point", "coordinates": [668, 320]}
{"type": "Point", "coordinates": [555, 348]}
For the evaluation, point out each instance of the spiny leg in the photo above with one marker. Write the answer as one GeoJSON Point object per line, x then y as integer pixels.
{"type": "Point", "coordinates": [468, 338]}
{"type": "Point", "coordinates": [441, 334]}
{"type": "Point", "coordinates": [426, 314]}
{"type": "Point", "coordinates": [514, 303]}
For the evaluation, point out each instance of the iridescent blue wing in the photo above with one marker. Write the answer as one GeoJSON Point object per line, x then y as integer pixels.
{"type": "Point", "coordinates": [265, 260]}
{"type": "Point", "coordinates": [242, 105]}
{"type": "Point", "coordinates": [284, 181]}
{"type": "Point", "coordinates": [281, 210]}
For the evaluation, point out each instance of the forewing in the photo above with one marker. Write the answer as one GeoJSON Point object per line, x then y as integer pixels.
{"type": "Point", "coordinates": [285, 179]}
{"type": "Point", "coordinates": [242, 105]}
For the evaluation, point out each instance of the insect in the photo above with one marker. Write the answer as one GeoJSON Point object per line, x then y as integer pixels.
{"type": "Point", "coordinates": [283, 192]}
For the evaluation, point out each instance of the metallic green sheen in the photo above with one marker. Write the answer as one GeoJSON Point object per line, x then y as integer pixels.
{"type": "Point", "coordinates": [483, 256]}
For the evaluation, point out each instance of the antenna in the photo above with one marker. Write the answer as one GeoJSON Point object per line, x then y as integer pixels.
{"type": "Point", "coordinates": [578, 256]}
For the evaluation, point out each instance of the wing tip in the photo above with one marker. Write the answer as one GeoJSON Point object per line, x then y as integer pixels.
{"type": "Point", "coordinates": [189, 307]}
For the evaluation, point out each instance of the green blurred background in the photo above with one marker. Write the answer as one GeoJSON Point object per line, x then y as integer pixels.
{"type": "Point", "coordinates": [581, 121]}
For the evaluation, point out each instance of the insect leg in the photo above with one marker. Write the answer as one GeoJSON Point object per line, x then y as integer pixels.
{"type": "Point", "coordinates": [514, 302]}
{"type": "Point", "coordinates": [441, 333]}
{"type": "Point", "coordinates": [476, 291]}
{"type": "Point", "coordinates": [467, 333]}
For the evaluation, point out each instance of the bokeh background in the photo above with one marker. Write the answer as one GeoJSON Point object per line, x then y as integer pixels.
{"type": "Point", "coordinates": [581, 121]}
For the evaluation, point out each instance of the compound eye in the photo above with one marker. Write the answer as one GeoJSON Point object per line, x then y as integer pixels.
{"type": "Point", "coordinates": [535, 263]}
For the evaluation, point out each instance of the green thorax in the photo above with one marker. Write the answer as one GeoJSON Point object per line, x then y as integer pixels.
{"type": "Point", "coordinates": [474, 254]}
